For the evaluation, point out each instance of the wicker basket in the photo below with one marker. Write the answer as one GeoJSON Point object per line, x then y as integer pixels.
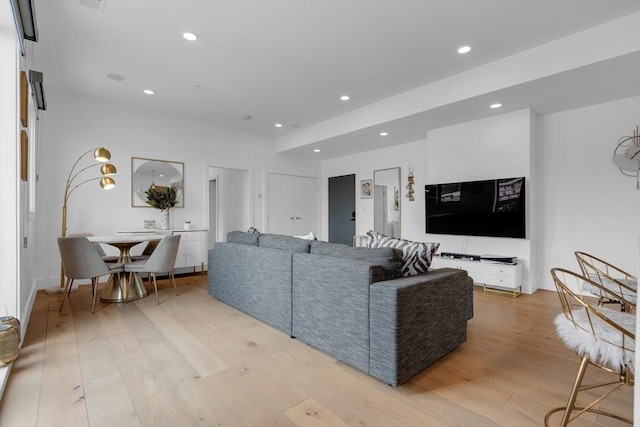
{"type": "Point", "coordinates": [9, 344]}
{"type": "Point", "coordinates": [10, 320]}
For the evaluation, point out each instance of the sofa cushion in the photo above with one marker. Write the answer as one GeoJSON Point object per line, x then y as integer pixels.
{"type": "Point", "coordinates": [243, 238]}
{"type": "Point", "coordinates": [416, 255]}
{"type": "Point", "coordinates": [285, 243]}
{"type": "Point", "coordinates": [390, 259]}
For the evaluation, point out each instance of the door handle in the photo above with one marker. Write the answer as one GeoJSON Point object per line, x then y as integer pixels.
{"type": "Point", "coordinates": [298, 217]}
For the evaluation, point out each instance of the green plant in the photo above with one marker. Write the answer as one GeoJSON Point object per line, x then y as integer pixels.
{"type": "Point", "coordinates": [162, 197]}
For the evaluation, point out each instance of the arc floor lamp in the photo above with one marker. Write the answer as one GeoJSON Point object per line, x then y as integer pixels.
{"type": "Point", "coordinates": [107, 170]}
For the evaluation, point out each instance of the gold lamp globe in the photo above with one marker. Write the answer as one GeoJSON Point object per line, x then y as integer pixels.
{"type": "Point", "coordinates": [102, 155]}
{"type": "Point", "coordinates": [108, 169]}
{"type": "Point", "coordinates": [107, 183]}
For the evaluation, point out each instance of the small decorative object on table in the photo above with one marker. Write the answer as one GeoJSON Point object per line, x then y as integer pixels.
{"type": "Point", "coordinates": [163, 198]}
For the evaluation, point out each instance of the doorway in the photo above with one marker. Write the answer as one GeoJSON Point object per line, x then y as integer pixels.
{"type": "Point", "coordinates": [342, 209]}
{"type": "Point", "coordinates": [229, 206]}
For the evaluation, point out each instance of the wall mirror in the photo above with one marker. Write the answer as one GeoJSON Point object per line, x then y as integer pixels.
{"type": "Point", "coordinates": [386, 201]}
{"type": "Point", "coordinates": [161, 173]}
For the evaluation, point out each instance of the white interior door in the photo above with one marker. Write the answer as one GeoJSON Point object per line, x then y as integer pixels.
{"type": "Point", "coordinates": [292, 204]}
{"type": "Point", "coordinates": [305, 206]}
{"type": "Point", "coordinates": [280, 215]}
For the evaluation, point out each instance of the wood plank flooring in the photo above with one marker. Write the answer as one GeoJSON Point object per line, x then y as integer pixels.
{"type": "Point", "coordinates": [193, 361]}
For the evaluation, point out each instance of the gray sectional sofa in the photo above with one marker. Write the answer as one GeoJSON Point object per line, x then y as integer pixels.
{"type": "Point", "coordinates": [348, 302]}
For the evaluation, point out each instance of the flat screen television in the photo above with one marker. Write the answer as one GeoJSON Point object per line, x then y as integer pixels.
{"type": "Point", "coordinates": [494, 207]}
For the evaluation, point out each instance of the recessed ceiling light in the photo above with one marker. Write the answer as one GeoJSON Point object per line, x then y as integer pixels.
{"type": "Point", "coordinates": [317, 150]}
{"type": "Point", "coordinates": [384, 133]}
{"type": "Point", "coordinates": [278, 125]}
{"type": "Point", "coordinates": [116, 77]}
{"type": "Point", "coordinates": [464, 49]}
{"type": "Point", "coordinates": [344, 98]}
{"type": "Point", "coordinates": [148, 91]}
{"type": "Point", "coordinates": [190, 36]}
{"type": "Point", "coordinates": [496, 105]}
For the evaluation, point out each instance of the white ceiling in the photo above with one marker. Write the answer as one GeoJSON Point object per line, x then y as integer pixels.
{"type": "Point", "coordinates": [288, 61]}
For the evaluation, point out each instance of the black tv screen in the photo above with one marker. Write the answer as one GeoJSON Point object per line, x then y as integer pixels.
{"type": "Point", "coordinates": [493, 207]}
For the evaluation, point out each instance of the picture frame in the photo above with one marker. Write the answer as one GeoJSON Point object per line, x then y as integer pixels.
{"type": "Point", "coordinates": [24, 156]}
{"type": "Point", "coordinates": [160, 173]}
{"type": "Point", "coordinates": [24, 99]}
{"type": "Point", "coordinates": [396, 198]}
{"type": "Point", "coordinates": [366, 189]}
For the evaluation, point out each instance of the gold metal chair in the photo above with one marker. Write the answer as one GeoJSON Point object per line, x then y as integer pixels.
{"type": "Point", "coordinates": [610, 277]}
{"type": "Point", "coordinates": [601, 337]}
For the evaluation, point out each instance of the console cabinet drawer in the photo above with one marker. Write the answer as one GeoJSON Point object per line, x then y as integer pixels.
{"type": "Point", "coordinates": [502, 270]}
{"type": "Point", "coordinates": [502, 281]}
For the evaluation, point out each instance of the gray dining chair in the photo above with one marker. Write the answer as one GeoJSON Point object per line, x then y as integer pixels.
{"type": "Point", "coordinates": [98, 247]}
{"type": "Point", "coordinates": [81, 261]}
{"type": "Point", "coordinates": [162, 260]}
{"type": "Point", "coordinates": [147, 251]}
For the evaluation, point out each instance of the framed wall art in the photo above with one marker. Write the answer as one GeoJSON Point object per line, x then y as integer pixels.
{"type": "Point", "coordinates": [24, 99]}
{"type": "Point", "coordinates": [24, 156]}
{"type": "Point", "coordinates": [366, 188]}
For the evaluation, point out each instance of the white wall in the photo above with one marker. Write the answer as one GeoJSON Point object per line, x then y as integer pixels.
{"type": "Point", "coordinates": [585, 203]}
{"type": "Point", "coordinates": [577, 198]}
{"type": "Point", "coordinates": [495, 147]}
{"type": "Point", "coordinates": [75, 124]}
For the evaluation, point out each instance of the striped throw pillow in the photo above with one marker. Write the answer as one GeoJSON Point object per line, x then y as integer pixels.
{"type": "Point", "coordinates": [416, 256]}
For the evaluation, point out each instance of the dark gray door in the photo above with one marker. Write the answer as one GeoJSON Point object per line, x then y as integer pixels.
{"type": "Point", "coordinates": [342, 209]}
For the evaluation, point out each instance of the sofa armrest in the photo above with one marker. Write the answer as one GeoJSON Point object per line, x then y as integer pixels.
{"type": "Point", "coordinates": [254, 280]}
{"type": "Point", "coordinates": [414, 321]}
{"type": "Point", "coordinates": [331, 305]}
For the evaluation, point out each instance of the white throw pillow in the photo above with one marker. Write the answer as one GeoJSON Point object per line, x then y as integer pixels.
{"type": "Point", "coordinates": [309, 236]}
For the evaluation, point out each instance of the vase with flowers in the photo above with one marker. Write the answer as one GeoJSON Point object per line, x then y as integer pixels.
{"type": "Point", "coordinates": [163, 198]}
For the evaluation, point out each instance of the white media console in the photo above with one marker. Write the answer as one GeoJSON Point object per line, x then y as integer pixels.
{"type": "Point", "coordinates": [493, 276]}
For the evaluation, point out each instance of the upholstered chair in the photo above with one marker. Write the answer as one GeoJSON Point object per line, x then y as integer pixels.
{"type": "Point", "coordinates": [147, 251]}
{"type": "Point", "coordinates": [162, 260]}
{"type": "Point", "coordinates": [81, 261]}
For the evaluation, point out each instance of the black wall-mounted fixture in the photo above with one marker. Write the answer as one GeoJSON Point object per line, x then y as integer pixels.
{"type": "Point", "coordinates": [24, 16]}
{"type": "Point", "coordinates": [37, 78]}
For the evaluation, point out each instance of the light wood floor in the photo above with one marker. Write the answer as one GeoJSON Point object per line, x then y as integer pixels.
{"type": "Point", "coordinates": [195, 361]}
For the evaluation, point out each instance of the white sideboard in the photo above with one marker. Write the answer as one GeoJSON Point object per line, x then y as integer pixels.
{"type": "Point", "coordinates": [192, 252]}
{"type": "Point", "coordinates": [492, 276]}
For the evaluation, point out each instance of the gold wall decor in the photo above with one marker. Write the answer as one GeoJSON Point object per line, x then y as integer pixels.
{"type": "Point", "coordinates": [24, 99]}
{"type": "Point", "coordinates": [409, 187]}
{"type": "Point", "coordinates": [24, 156]}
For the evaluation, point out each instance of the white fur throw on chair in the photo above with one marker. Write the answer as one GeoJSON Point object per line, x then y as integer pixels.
{"type": "Point", "coordinates": [609, 347]}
